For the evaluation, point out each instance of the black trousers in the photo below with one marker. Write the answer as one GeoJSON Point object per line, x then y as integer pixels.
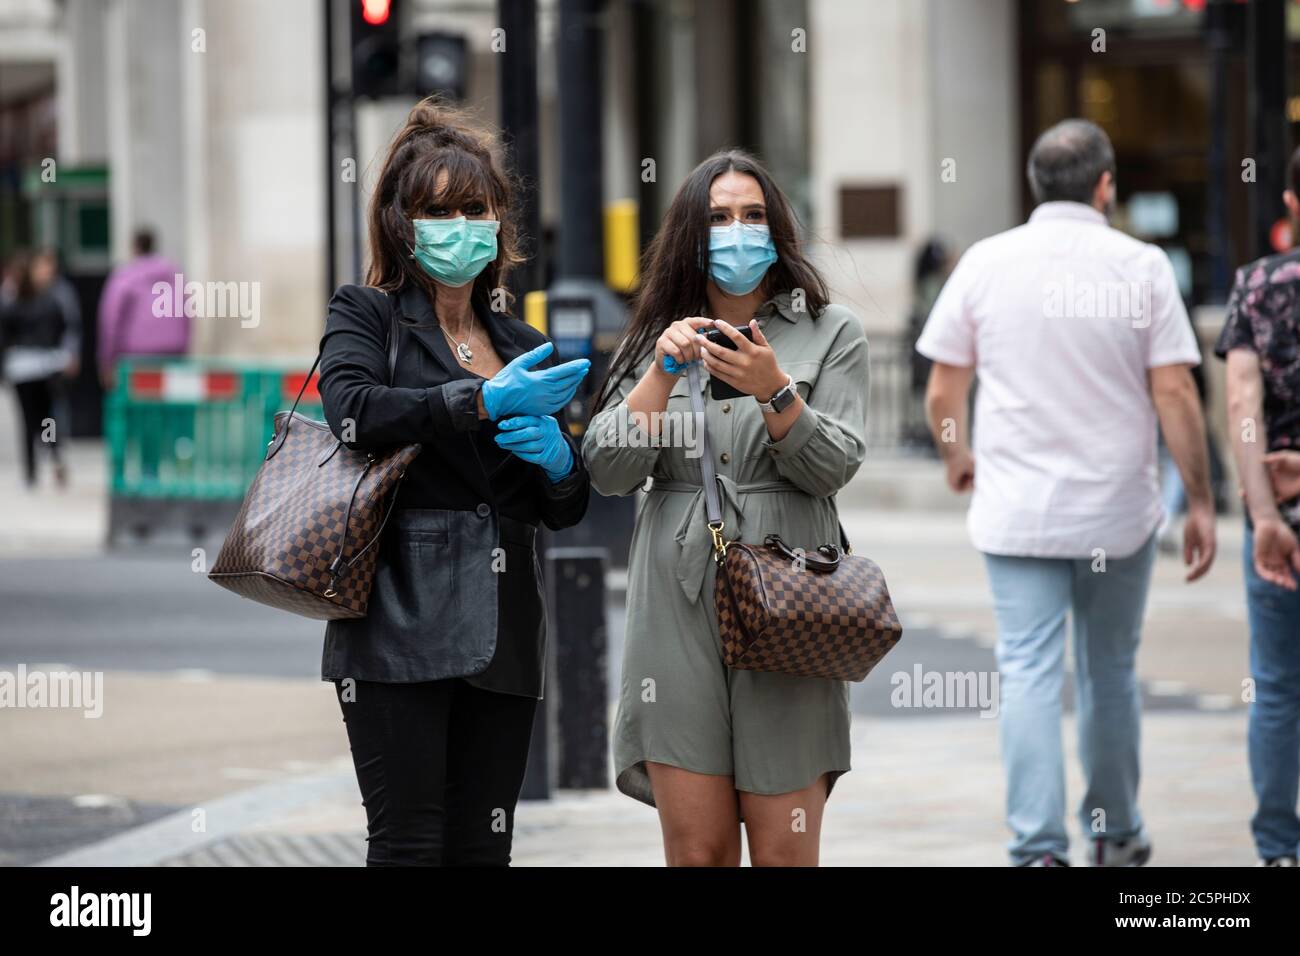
{"type": "Point", "coordinates": [35, 405]}
{"type": "Point", "coordinates": [440, 765]}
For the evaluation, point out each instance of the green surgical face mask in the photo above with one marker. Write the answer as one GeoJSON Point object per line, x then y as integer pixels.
{"type": "Point", "coordinates": [455, 251]}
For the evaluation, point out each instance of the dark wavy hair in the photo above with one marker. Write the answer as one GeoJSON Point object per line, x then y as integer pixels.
{"type": "Point", "coordinates": [437, 139]}
{"type": "Point", "coordinates": [675, 266]}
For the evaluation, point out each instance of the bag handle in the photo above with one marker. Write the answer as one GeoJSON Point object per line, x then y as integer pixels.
{"type": "Point", "coordinates": [338, 567]}
{"type": "Point", "coordinates": [829, 561]}
{"type": "Point", "coordinates": [390, 345]}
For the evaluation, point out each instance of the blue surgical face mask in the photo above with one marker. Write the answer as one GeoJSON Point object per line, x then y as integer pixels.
{"type": "Point", "coordinates": [739, 256]}
{"type": "Point", "coordinates": [455, 251]}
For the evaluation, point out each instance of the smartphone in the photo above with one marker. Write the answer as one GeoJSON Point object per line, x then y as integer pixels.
{"type": "Point", "coordinates": [719, 389]}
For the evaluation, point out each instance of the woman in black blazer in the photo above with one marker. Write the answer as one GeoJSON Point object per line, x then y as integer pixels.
{"type": "Point", "coordinates": [439, 682]}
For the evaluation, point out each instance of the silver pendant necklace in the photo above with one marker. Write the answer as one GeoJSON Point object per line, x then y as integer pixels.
{"type": "Point", "coordinates": [462, 349]}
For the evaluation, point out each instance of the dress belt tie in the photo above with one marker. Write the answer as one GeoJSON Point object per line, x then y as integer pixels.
{"type": "Point", "coordinates": [695, 544]}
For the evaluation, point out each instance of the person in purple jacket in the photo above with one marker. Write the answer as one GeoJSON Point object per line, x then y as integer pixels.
{"type": "Point", "coordinates": [129, 323]}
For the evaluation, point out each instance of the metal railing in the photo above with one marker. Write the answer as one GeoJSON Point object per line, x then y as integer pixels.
{"type": "Point", "coordinates": [896, 409]}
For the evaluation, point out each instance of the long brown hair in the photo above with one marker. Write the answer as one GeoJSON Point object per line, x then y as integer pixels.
{"type": "Point", "coordinates": [675, 267]}
{"type": "Point", "coordinates": [437, 139]}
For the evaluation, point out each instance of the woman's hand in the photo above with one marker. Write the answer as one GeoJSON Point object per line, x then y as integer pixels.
{"type": "Point", "coordinates": [518, 390]}
{"type": "Point", "coordinates": [537, 439]}
{"type": "Point", "coordinates": [676, 348]}
{"type": "Point", "coordinates": [752, 367]}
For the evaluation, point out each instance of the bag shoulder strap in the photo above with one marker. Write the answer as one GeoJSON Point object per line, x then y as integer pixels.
{"type": "Point", "coordinates": [390, 344]}
{"type": "Point", "coordinates": [708, 474]}
{"type": "Point", "coordinates": [392, 340]}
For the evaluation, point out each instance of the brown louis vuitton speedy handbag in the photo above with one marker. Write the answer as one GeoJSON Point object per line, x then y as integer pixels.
{"type": "Point", "coordinates": [826, 615]}
{"type": "Point", "coordinates": [305, 538]}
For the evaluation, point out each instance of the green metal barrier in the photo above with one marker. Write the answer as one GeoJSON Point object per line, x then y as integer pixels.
{"type": "Point", "coordinates": [195, 429]}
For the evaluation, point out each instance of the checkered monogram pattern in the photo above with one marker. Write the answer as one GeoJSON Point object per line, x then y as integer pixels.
{"type": "Point", "coordinates": [310, 502]}
{"type": "Point", "coordinates": [776, 616]}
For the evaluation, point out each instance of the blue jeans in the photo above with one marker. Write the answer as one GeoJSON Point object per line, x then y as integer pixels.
{"type": "Point", "coordinates": [1274, 729]}
{"type": "Point", "coordinates": [1032, 597]}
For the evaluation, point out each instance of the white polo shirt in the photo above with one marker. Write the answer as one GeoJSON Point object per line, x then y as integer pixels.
{"type": "Point", "coordinates": [1061, 318]}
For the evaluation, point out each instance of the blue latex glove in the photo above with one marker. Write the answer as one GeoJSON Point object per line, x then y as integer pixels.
{"type": "Point", "coordinates": [518, 390]}
{"type": "Point", "coordinates": [674, 367]}
{"type": "Point", "coordinates": [537, 438]}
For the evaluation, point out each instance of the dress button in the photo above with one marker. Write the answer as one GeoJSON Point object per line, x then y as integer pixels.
{"type": "Point", "coordinates": [483, 510]}
{"type": "Point", "coordinates": [726, 409]}
{"type": "Point", "coordinates": [724, 457]}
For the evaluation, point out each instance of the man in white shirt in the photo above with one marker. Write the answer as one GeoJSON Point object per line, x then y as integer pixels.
{"type": "Point", "coordinates": [1081, 344]}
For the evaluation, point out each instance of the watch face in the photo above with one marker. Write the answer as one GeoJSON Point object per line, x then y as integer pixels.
{"type": "Point", "coordinates": [780, 401]}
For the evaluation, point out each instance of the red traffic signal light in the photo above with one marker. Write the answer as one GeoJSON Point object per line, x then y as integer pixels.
{"type": "Point", "coordinates": [377, 59]}
{"type": "Point", "coordinates": [376, 12]}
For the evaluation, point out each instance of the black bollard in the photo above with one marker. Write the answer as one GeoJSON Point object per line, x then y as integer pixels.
{"type": "Point", "coordinates": [576, 596]}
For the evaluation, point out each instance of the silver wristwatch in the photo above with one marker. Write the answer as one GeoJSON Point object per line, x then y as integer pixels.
{"type": "Point", "coordinates": [782, 400]}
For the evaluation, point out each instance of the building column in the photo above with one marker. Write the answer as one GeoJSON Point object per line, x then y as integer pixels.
{"type": "Point", "coordinates": [144, 43]}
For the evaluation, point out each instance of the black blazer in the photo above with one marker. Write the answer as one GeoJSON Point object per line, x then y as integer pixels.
{"type": "Point", "coordinates": [434, 606]}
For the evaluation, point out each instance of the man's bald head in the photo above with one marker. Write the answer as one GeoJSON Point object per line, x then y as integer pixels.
{"type": "Point", "coordinates": [1068, 160]}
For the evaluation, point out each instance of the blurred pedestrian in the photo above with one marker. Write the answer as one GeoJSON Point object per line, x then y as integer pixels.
{"type": "Point", "coordinates": [708, 745]}
{"type": "Point", "coordinates": [49, 277]}
{"type": "Point", "coordinates": [439, 682]}
{"type": "Point", "coordinates": [933, 265]}
{"type": "Point", "coordinates": [1260, 342]}
{"type": "Point", "coordinates": [32, 341]}
{"type": "Point", "coordinates": [132, 318]}
{"type": "Point", "coordinates": [9, 279]}
{"type": "Point", "coordinates": [1081, 343]}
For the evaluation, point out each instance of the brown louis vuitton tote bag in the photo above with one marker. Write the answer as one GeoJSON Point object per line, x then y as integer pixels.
{"type": "Point", "coordinates": [305, 538]}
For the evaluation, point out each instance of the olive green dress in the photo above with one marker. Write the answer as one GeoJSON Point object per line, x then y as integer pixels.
{"type": "Point", "coordinates": [679, 704]}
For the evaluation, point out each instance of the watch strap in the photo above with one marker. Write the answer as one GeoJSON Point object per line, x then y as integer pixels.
{"type": "Point", "coordinates": [768, 407]}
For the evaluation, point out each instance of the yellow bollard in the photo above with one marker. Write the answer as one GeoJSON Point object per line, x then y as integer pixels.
{"type": "Point", "coordinates": [535, 309]}
{"type": "Point", "coordinates": [622, 245]}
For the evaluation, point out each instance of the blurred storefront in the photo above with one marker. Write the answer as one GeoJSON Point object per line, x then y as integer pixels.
{"type": "Point", "coordinates": [48, 199]}
{"type": "Point", "coordinates": [1149, 88]}
{"type": "Point", "coordinates": [1173, 88]}
{"type": "Point", "coordinates": [1200, 98]}
{"type": "Point", "coordinates": [889, 122]}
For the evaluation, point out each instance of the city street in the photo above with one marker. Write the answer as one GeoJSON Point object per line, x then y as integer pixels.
{"type": "Point", "coordinates": [215, 703]}
{"type": "Point", "coordinates": [357, 304]}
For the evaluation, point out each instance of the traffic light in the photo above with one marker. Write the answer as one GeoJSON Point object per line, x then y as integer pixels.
{"type": "Point", "coordinates": [440, 65]}
{"type": "Point", "coordinates": [377, 48]}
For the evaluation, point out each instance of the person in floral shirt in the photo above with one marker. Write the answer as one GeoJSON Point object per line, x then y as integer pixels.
{"type": "Point", "coordinates": [1261, 344]}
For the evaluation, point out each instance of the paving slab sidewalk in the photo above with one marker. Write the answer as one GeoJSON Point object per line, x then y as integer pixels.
{"type": "Point", "coordinates": [923, 792]}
